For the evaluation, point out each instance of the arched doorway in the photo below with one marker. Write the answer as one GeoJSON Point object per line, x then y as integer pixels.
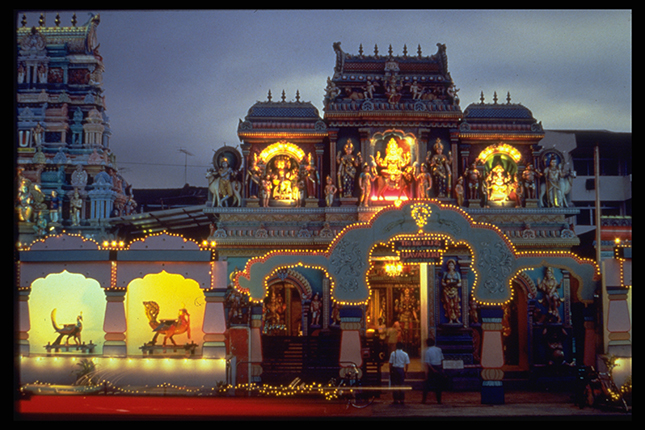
{"type": "Point", "coordinates": [282, 310]}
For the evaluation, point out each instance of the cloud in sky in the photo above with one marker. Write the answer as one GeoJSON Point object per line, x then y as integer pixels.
{"type": "Point", "coordinates": [183, 78]}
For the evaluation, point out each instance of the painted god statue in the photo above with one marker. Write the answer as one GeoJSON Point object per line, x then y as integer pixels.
{"type": "Point", "coordinates": [450, 296]}
{"type": "Point", "coordinates": [347, 167]}
{"type": "Point", "coordinates": [498, 184]}
{"type": "Point", "coordinates": [558, 184]}
{"type": "Point", "coordinates": [440, 169]}
{"type": "Point", "coordinates": [395, 172]}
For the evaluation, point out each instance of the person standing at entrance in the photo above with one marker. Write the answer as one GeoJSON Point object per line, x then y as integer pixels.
{"type": "Point", "coordinates": [433, 360]}
{"type": "Point", "coordinates": [399, 362]}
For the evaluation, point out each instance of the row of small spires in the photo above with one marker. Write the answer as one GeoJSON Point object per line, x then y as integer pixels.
{"type": "Point", "coordinates": [481, 98]}
{"type": "Point", "coordinates": [508, 97]}
{"type": "Point", "coordinates": [284, 97]}
{"type": "Point", "coordinates": [389, 51]}
{"type": "Point", "coordinates": [41, 20]}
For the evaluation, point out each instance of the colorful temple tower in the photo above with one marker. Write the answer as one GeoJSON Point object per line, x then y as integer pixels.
{"type": "Point", "coordinates": [67, 174]}
{"type": "Point", "coordinates": [395, 211]}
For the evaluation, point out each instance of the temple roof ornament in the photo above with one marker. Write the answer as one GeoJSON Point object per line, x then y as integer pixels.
{"type": "Point", "coordinates": [375, 83]}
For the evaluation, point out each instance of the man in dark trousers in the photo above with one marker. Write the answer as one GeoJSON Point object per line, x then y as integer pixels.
{"type": "Point", "coordinates": [399, 361]}
{"type": "Point", "coordinates": [433, 360]}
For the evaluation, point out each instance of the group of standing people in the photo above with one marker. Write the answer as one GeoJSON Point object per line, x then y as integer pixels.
{"type": "Point", "coordinates": [433, 362]}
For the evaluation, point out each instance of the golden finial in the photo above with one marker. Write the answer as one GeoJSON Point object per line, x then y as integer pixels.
{"type": "Point", "coordinates": [298, 95]}
{"type": "Point", "coordinates": [376, 50]}
{"type": "Point", "coordinates": [283, 97]}
{"type": "Point", "coordinates": [508, 98]}
{"type": "Point", "coordinates": [495, 97]}
{"type": "Point", "coordinates": [269, 96]}
{"type": "Point", "coordinates": [57, 20]}
{"type": "Point", "coordinates": [24, 20]}
{"type": "Point", "coordinates": [419, 50]}
{"type": "Point", "coordinates": [481, 97]}
{"type": "Point", "coordinates": [74, 21]}
{"type": "Point", "coordinates": [405, 50]}
{"type": "Point", "coordinates": [360, 50]}
{"type": "Point", "coordinates": [41, 21]}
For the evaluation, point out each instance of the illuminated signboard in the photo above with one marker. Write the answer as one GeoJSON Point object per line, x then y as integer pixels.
{"type": "Point", "coordinates": [420, 250]}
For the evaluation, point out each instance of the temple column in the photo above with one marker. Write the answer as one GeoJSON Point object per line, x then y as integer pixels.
{"type": "Point", "coordinates": [255, 344]}
{"type": "Point", "coordinates": [23, 322]}
{"type": "Point", "coordinates": [333, 138]}
{"type": "Point", "coordinates": [214, 325]}
{"type": "Point", "coordinates": [492, 356]}
{"type": "Point", "coordinates": [618, 319]}
{"type": "Point", "coordinates": [115, 324]}
{"type": "Point", "coordinates": [350, 340]}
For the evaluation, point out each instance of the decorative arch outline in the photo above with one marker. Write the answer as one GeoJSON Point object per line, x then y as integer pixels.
{"type": "Point", "coordinates": [346, 260]}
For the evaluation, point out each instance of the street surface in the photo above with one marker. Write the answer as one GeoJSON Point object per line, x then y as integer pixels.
{"type": "Point", "coordinates": [456, 406]}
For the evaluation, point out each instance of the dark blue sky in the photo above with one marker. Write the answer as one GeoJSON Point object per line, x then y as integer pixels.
{"type": "Point", "coordinates": [182, 79]}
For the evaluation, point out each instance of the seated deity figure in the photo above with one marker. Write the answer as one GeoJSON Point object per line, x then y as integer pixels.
{"type": "Point", "coordinates": [395, 172]}
{"type": "Point", "coordinates": [394, 162]}
{"type": "Point", "coordinates": [498, 184]}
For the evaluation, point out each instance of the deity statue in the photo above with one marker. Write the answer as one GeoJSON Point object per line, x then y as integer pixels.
{"type": "Point", "coordinates": [25, 201]}
{"type": "Point", "coordinates": [393, 90]}
{"type": "Point", "coordinates": [254, 176]}
{"type": "Point", "coordinates": [424, 183]}
{"type": "Point", "coordinates": [529, 182]}
{"type": "Point", "coordinates": [558, 184]}
{"type": "Point", "coordinates": [416, 89]}
{"type": "Point", "coordinates": [331, 92]}
{"type": "Point", "coordinates": [284, 177]}
{"type": "Point", "coordinates": [474, 180]}
{"type": "Point", "coordinates": [459, 191]}
{"type": "Point", "coordinates": [407, 311]}
{"type": "Point", "coordinates": [440, 169]}
{"type": "Point", "coordinates": [365, 184]}
{"type": "Point", "coordinates": [368, 90]}
{"type": "Point", "coordinates": [316, 310]}
{"type": "Point", "coordinates": [551, 298]}
{"type": "Point", "coordinates": [347, 165]}
{"type": "Point", "coordinates": [498, 184]}
{"type": "Point", "coordinates": [75, 207]}
{"type": "Point", "coordinates": [450, 283]}
{"type": "Point", "coordinates": [312, 178]}
{"type": "Point", "coordinates": [395, 170]}
{"type": "Point", "coordinates": [265, 191]}
{"type": "Point", "coordinates": [330, 191]}
{"type": "Point", "coordinates": [55, 208]}
{"type": "Point", "coordinates": [274, 313]}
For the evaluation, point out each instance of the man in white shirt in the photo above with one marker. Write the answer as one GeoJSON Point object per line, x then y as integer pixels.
{"type": "Point", "coordinates": [433, 360]}
{"type": "Point", "coordinates": [399, 361]}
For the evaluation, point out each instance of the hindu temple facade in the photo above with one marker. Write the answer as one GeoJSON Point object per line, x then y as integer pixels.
{"type": "Point", "coordinates": [394, 211]}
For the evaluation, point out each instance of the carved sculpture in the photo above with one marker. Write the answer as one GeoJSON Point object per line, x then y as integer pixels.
{"type": "Point", "coordinates": [451, 299]}
{"type": "Point", "coordinates": [347, 165]}
{"type": "Point", "coordinates": [167, 327]}
{"type": "Point", "coordinates": [69, 330]}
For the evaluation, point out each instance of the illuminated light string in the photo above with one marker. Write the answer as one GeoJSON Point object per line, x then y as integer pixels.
{"type": "Point", "coordinates": [420, 215]}
{"type": "Point", "coordinates": [420, 218]}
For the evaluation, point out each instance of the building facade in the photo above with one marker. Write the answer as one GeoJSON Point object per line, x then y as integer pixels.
{"type": "Point", "coordinates": [395, 212]}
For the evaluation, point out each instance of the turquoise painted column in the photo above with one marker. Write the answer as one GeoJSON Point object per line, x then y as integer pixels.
{"type": "Point", "coordinates": [492, 356]}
